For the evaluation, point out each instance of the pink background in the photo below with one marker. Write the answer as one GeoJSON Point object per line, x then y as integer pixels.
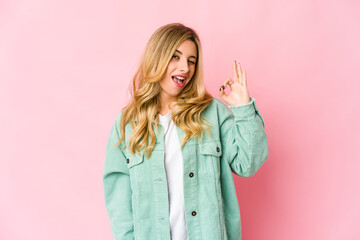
{"type": "Point", "coordinates": [65, 67]}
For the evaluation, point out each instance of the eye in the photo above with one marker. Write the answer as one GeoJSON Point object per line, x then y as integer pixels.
{"type": "Point", "coordinates": [174, 56]}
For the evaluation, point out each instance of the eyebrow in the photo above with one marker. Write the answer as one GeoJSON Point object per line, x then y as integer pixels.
{"type": "Point", "coordinates": [181, 53]}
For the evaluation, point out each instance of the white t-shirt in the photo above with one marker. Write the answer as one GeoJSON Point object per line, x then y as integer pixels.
{"type": "Point", "coordinates": [174, 174]}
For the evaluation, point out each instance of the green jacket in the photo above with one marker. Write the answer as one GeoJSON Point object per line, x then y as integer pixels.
{"type": "Point", "coordinates": [135, 187]}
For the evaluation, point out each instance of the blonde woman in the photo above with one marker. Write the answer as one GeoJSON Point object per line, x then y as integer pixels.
{"type": "Point", "coordinates": [172, 150]}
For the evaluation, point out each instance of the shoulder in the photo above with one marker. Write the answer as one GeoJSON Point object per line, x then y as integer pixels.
{"type": "Point", "coordinates": [217, 111]}
{"type": "Point", "coordinates": [118, 116]}
{"type": "Point", "coordinates": [218, 103]}
{"type": "Point", "coordinates": [116, 123]}
{"type": "Point", "coordinates": [218, 106]}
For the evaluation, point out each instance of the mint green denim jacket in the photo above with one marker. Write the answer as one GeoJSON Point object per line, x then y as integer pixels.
{"type": "Point", "coordinates": [135, 187]}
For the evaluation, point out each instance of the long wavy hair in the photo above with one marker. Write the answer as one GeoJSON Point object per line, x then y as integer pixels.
{"type": "Point", "coordinates": [145, 104]}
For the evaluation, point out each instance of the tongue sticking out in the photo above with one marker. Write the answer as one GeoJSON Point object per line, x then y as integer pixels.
{"type": "Point", "coordinates": [177, 80]}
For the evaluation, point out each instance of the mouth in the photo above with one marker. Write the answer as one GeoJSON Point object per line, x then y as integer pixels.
{"type": "Point", "coordinates": [178, 81]}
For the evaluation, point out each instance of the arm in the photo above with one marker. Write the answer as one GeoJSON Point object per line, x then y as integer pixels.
{"type": "Point", "coordinates": [245, 145]}
{"type": "Point", "coordinates": [117, 188]}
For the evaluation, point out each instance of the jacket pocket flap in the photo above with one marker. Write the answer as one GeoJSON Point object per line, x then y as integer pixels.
{"type": "Point", "coordinates": [211, 148]}
{"type": "Point", "coordinates": [134, 160]}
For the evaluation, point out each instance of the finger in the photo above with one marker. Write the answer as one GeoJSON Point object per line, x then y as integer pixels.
{"type": "Point", "coordinates": [222, 90]}
{"type": "Point", "coordinates": [235, 72]}
{"type": "Point", "coordinates": [245, 80]}
{"type": "Point", "coordinates": [238, 66]}
{"type": "Point", "coordinates": [229, 82]}
{"type": "Point", "coordinates": [222, 93]}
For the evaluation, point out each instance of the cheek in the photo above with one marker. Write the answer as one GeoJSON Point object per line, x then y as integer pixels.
{"type": "Point", "coordinates": [164, 83]}
{"type": "Point", "coordinates": [193, 71]}
{"type": "Point", "coordinates": [171, 67]}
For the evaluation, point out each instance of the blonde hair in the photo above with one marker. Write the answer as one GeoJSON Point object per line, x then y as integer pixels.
{"type": "Point", "coordinates": [145, 103]}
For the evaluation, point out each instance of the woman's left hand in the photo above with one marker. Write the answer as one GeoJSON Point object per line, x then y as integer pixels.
{"type": "Point", "coordinates": [239, 94]}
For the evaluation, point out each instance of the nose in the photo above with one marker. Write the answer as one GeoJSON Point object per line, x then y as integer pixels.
{"type": "Point", "coordinates": [184, 66]}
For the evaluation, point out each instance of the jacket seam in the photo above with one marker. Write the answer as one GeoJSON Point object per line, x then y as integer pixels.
{"type": "Point", "coordinates": [136, 203]}
{"type": "Point", "coordinates": [218, 206]}
{"type": "Point", "coordinates": [251, 143]}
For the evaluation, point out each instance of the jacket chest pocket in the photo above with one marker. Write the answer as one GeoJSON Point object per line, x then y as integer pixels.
{"type": "Point", "coordinates": [209, 161]}
{"type": "Point", "coordinates": [135, 164]}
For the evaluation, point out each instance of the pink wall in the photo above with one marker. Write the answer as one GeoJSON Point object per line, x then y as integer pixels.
{"type": "Point", "coordinates": [64, 69]}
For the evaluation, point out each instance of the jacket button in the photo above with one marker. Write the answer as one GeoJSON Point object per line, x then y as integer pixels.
{"type": "Point", "coordinates": [191, 174]}
{"type": "Point", "coordinates": [217, 149]}
{"type": "Point", "coordinates": [193, 213]}
{"type": "Point", "coordinates": [127, 160]}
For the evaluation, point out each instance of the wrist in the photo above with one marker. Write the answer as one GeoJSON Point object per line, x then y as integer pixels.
{"type": "Point", "coordinates": [244, 111]}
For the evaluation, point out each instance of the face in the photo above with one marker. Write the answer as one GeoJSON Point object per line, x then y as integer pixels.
{"type": "Point", "coordinates": [182, 64]}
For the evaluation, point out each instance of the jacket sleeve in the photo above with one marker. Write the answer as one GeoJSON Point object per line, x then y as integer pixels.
{"type": "Point", "coordinates": [117, 189]}
{"type": "Point", "coordinates": [243, 136]}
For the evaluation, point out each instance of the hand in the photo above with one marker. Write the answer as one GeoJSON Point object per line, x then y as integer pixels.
{"type": "Point", "coordinates": [239, 93]}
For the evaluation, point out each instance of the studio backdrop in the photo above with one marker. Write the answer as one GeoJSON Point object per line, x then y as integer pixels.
{"type": "Point", "coordinates": [65, 68]}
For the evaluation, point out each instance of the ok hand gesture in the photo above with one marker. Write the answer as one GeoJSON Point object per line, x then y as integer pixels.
{"type": "Point", "coordinates": [239, 93]}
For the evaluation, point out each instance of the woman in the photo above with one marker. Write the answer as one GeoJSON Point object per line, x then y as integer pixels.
{"type": "Point", "coordinates": [164, 176]}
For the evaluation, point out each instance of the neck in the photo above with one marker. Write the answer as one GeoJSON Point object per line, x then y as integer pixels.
{"type": "Point", "coordinates": [165, 100]}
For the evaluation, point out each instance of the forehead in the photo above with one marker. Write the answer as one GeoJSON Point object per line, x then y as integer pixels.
{"type": "Point", "coordinates": [187, 47]}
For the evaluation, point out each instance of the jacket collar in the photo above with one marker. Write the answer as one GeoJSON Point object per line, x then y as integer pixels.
{"type": "Point", "coordinates": [153, 119]}
{"type": "Point", "coordinates": [136, 120]}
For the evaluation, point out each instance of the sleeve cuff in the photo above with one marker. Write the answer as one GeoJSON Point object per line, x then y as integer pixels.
{"type": "Point", "coordinates": [244, 111]}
